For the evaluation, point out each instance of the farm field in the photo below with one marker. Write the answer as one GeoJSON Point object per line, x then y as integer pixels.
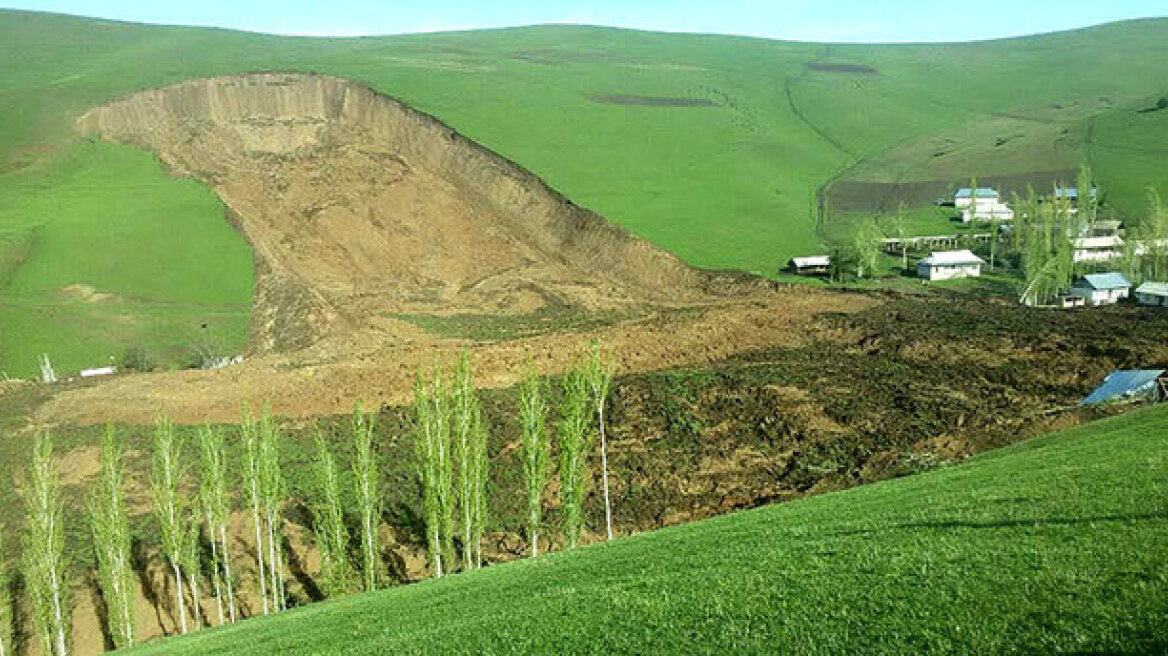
{"type": "Point", "coordinates": [1053, 545]}
{"type": "Point", "coordinates": [714, 148]}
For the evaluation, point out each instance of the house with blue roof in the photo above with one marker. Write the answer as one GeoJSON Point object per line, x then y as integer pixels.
{"type": "Point", "coordinates": [1102, 288]}
{"type": "Point", "coordinates": [964, 198]}
{"type": "Point", "coordinates": [1131, 387]}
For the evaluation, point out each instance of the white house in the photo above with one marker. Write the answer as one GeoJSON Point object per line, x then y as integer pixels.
{"type": "Point", "coordinates": [1102, 288]}
{"type": "Point", "coordinates": [946, 265]}
{"type": "Point", "coordinates": [980, 196]}
{"type": "Point", "coordinates": [1098, 249]}
{"type": "Point", "coordinates": [1153, 293]}
{"type": "Point", "coordinates": [812, 264]}
{"type": "Point", "coordinates": [982, 211]}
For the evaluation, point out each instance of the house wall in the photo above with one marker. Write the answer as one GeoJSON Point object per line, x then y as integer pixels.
{"type": "Point", "coordinates": [948, 271]}
{"type": "Point", "coordinates": [1152, 299]}
{"type": "Point", "coordinates": [1101, 296]}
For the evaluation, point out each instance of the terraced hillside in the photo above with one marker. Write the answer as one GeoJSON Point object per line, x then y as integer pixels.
{"type": "Point", "coordinates": [713, 148]}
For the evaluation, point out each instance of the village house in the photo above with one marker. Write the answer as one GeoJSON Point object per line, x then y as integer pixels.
{"type": "Point", "coordinates": [811, 265]}
{"type": "Point", "coordinates": [1102, 288]}
{"type": "Point", "coordinates": [982, 204]}
{"type": "Point", "coordinates": [1098, 249]}
{"type": "Point", "coordinates": [1071, 194]}
{"type": "Point", "coordinates": [1153, 293]}
{"type": "Point", "coordinates": [981, 196]}
{"type": "Point", "coordinates": [947, 265]}
{"type": "Point", "coordinates": [1131, 386]}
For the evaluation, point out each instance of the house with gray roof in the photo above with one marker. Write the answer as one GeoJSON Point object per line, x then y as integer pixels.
{"type": "Point", "coordinates": [1102, 288]}
{"type": "Point", "coordinates": [1153, 293]}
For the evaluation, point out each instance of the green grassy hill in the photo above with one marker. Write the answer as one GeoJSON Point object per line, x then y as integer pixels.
{"type": "Point", "coordinates": [714, 147]}
{"type": "Point", "coordinates": [1059, 544]}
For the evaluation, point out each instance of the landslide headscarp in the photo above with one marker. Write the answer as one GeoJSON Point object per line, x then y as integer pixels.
{"type": "Point", "coordinates": [359, 207]}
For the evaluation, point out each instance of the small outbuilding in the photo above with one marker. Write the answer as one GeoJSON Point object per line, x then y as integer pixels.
{"type": "Point", "coordinates": [1153, 293]}
{"type": "Point", "coordinates": [947, 265]}
{"type": "Point", "coordinates": [1102, 288]}
{"type": "Point", "coordinates": [1130, 386]}
{"type": "Point", "coordinates": [811, 265]}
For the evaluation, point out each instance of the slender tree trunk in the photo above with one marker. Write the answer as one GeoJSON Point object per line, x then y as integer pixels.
{"type": "Point", "coordinates": [60, 615]}
{"type": "Point", "coordinates": [218, 570]}
{"type": "Point", "coordinates": [227, 572]}
{"type": "Point", "coordinates": [192, 577]}
{"type": "Point", "coordinates": [182, 609]}
{"type": "Point", "coordinates": [260, 550]}
{"type": "Point", "coordinates": [604, 471]}
{"type": "Point", "coordinates": [273, 565]}
{"type": "Point", "coordinates": [534, 544]}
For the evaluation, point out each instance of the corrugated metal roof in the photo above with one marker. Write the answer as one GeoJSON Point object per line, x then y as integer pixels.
{"type": "Point", "coordinates": [982, 192]}
{"type": "Point", "coordinates": [1113, 280]}
{"type": "Point", "coordinates": [1124, 385]}
{"type": "Point", "coordinates": [1154, 288]}
{"type": "Point", "coordinates": [951, 257]}
{"type": "Point", "coordinates": [1072, 192]}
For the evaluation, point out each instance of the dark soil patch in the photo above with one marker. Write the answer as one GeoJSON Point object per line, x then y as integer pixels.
{"type": "Point", "coordinates": [859, 196]}
{"type": "Point", "coordinates": [650, 101]}
{"type": "Point", "coordinates": [835, 67]}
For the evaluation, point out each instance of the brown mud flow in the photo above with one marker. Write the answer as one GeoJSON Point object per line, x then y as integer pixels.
{"type": "Point", "coordinates": [359, 207]}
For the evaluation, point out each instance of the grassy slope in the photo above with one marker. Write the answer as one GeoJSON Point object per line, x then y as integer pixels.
{"type": "Point", "coordinates": [731, 185]}
{"type": "Point", "coordinates": [1057, 544]}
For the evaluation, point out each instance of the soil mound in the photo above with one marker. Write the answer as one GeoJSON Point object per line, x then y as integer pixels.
{"type": "Point", "coordinates": [360, 208]}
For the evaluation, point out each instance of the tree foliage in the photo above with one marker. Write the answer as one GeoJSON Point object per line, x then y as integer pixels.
{"type": "Point", "coordinates": [575, 444]}
{"type": "Point", "coordinates": [110, 525]}
{"type": "Point", "coordinates": [366, 477]}
{"type": "Point", "coordinates": [534, 452]}
{"type": "Point", "coordinates": [44, 550]}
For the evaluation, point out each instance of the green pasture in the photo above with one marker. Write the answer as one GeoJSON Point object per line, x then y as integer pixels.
{"type": "Point", "coordinates": [713, 147]}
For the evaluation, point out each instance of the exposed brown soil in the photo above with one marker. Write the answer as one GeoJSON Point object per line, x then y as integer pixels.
{"type": "Point", "coordinates": [651, 101]}
{"type": "Point", "coordinates": [359, 207]}
{"type": "Point", "coordinates": [832, 67]}
{"type": "Point", "coordinates": [315, 382]}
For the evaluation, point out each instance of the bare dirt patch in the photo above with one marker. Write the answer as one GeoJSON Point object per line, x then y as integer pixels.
{"type": "Point", "coordinates": [650, 101]}
{"type": "Point", "coordinates": [860, 196]}
{"type": "Point", "coordinates": [835, 67]}
{"type": "Point", "coordinates": [87, 293]}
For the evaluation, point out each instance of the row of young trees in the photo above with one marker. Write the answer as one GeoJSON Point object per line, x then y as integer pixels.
{"type": "Point", "coordinates": [451, 439]}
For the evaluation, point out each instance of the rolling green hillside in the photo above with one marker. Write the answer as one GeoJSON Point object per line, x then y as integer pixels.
{"type": "Point", "coordinates": [1054, 545]}
{"type": "Point", "coordinates": [714, 147]}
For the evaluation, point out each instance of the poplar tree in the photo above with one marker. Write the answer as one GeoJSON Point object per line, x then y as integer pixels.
{"type": "Point", "coordinates": [480, 464]}
{"type": "Point", "coordinates": [366, 477]}
{"type": "Point", "coordinates": [470, 437]}
{"type": "Point", "coordinates": [251, 446]}
{"type": "Point", "coordinates": [110, 525]}
{"type": "Point", "coordinates": [44, 550]}
{"type": "Point", "coordinates": [574, 425]}
{"type": "Point", "coordinates": [332, 538]}
{"type": "Point", "coordinates": [192, 567]}
{"type": "Point", "coordinates": [272, 490]}
{"type": "Point", "coordinates": [216, 508]}
{"type": "Point", "coordinates": [166, 478]}
{"type": "Point", "coordinates": [598, 376]}
{"type": "Point", "coordinates": [432, 444]}
{"type": "Point", "coordinates": [534, 452]}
